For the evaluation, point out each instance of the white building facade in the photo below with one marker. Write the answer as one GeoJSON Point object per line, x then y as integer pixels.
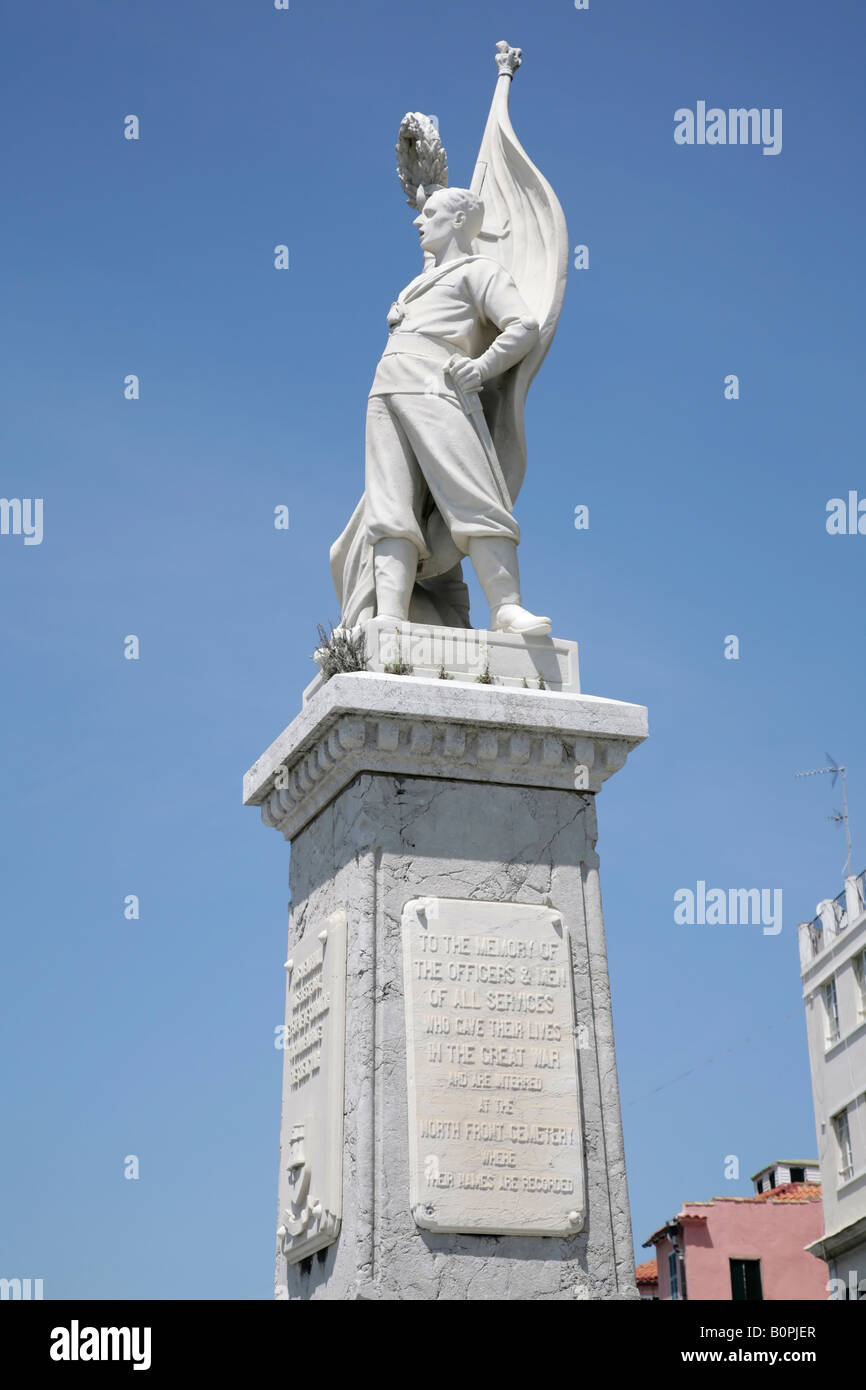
{"type": "Point", "coordinates": [833, 970]}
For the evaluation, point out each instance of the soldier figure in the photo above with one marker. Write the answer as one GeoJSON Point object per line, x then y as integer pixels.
{"type": "Point", "coordinates": [421, 440]}
{"type": "Point", "coordinates": [445, 447]}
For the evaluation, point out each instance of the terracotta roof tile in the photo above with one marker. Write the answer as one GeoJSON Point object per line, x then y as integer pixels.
{"type": "Point", "coordinates": [785, 1192]}
{"type": "Point", "coordinates": [791, 1192]}
{"type": "Point", "coordinates": [647, 1273]}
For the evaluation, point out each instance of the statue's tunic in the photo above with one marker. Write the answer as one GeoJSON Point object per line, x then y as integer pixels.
{"type": "Point", "coordinates": [422, 448]}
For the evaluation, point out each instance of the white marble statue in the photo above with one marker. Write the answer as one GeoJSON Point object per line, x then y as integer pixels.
{"type": "Point", "coordinates": [445, 444]}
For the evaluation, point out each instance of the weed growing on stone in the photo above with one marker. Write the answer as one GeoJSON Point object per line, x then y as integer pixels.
{"type": "Point", "coordinates": [398, 667]}
{"type": "Point", "coordinates": [341, 649]}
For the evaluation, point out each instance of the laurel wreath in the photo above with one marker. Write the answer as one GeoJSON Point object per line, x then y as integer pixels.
{"type": "Point", "coordinates": [421, 158]}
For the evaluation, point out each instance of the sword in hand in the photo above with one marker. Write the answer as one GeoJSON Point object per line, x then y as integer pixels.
{"type": "Point", "coordinates": [460, 370]}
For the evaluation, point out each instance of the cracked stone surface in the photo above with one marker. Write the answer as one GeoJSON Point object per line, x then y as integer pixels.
{"type": "Point", "coordinates": [383, 840]}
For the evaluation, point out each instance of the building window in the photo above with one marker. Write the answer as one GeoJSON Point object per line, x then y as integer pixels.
{"type": "Point", "coordinates": [860, 972]}
{"type": "Point", "coordinates": [674, 1274]}
{"type": "Point", "coordinates": [746, 1281]}
{"type": "Point", "coordinates": [831, 1011]}
{"type": "Point", "coordinates": [843, 1139]}
{"type": "Point", "coordinates": [798, 1175]}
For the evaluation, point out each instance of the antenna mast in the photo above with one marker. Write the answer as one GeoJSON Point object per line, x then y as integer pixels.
{"type": "Point", "coordinates": [840, 818]}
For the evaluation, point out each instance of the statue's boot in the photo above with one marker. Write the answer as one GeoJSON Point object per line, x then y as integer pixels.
{"type": "Point", "coordinates": [495, 561]}
{"type": "Point", "coordinates": [395, 566]}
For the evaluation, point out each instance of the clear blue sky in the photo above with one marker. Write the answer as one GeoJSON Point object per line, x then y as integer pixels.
{"type": "Point", "coordinates": [707, 517]}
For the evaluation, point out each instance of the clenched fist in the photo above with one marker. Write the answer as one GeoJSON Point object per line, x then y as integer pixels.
{"type": "Point", "coordinates": [464, 373]}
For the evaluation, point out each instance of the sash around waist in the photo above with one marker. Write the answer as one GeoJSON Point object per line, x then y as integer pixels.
{"type": "Point", "coordinates": [421, 345]}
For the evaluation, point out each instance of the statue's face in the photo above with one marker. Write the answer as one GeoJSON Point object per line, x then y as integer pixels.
{"type": "Point", "coordinates": [436, 225]}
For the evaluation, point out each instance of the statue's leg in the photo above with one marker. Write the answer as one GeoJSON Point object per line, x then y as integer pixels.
{"type": "Point", "coordinates": [396, 494]}
{"type": "Point", "coordinates": [394, 486]}
{"type": "Point", "coordinates": [495, 561]}
{"type": "Point", "coordinates": [459, 476]}
{"type": "Point", "coordinates": [455, 466]}
{"type": "Point", "coordinates": [395, 565]}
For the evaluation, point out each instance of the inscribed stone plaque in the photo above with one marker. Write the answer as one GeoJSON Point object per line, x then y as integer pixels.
{"type": "Point", "coordinates": [311, 1162]}
{"type": "Point", "coordinates": [495, 1139]}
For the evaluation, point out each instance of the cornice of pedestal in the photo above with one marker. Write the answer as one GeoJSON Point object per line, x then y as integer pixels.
{"type": "Point", "coordinates": [402, 725]}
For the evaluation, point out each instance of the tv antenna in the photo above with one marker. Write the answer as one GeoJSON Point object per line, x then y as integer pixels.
{"type": "Point", "coordinates": [838, 817]}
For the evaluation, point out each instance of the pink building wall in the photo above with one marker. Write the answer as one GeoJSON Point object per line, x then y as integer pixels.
{"type": "Point", "coordinates": [773, 1232]}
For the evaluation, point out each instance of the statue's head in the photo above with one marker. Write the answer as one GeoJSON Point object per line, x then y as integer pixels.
{"type": "Point", "coordinates": [449, 214]}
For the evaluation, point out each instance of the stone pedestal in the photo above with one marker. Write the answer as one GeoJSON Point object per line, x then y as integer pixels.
{"type": "Point", "coordinates": [461, 1137]}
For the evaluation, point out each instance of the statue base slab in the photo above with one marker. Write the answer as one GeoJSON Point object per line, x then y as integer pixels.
{"type": "Point", "coordinates": [469, 655]}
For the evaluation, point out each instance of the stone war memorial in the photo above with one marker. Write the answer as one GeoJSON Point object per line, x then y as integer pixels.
{"type": "Point", "coordinates": [450, 1115]}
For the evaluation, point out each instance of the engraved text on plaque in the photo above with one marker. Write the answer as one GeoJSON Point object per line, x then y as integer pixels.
{"type": "Point", "coordinates": [495, 1137]}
